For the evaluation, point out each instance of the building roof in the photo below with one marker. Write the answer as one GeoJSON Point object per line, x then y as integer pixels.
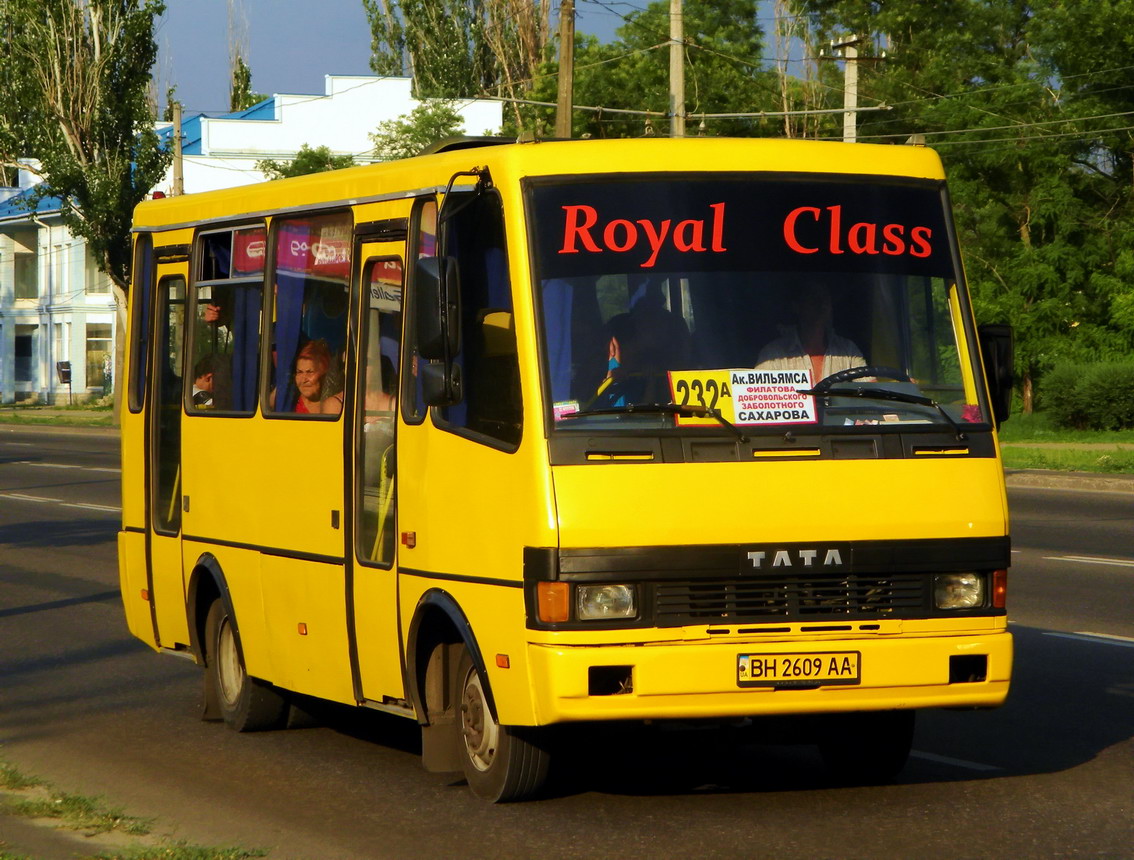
{"type": "Point", "coordinates": [18, 207]}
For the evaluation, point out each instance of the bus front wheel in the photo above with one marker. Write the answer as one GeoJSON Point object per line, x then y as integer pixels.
{"type": "Point", "coordinates": [500, 763]}
{"type": "Point", "coordinates": [246, 704]}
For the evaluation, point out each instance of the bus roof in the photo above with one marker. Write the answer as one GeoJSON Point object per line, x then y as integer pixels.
{"type": "Point", "coordinates": [414, 176]}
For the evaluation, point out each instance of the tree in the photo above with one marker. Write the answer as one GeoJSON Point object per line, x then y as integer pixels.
{"type": "Point", "coordinates": [724, 73]}
{"type": "Point", "coordinates": [74, 81]}
{"type": "Point", "coordinates": [411, 133]}
{"type": "Point", "coordinates": [307, 160]}
{"type": "Point", "coordinates": [459, 48]}
{"type": "Point", "coordinates": [240, 96]}
{"type": "Point", "coordinates": [1042, 199]}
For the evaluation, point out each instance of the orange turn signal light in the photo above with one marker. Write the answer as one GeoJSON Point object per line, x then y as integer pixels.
{"type": "Point", "coordinates": [999, 589]}
{"type": "Point", "coordinates": [554, 601]}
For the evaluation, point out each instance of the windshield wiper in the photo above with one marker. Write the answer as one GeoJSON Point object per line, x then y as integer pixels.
{"type": "Point", "coordinates": [895, 396]}
{"type": "Point", "coordinates": [687, 410]}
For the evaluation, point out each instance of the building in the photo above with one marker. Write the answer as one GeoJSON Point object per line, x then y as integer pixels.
{"type": "Point", "coordinates": [55, 306]}
{"type": "Point", "coordinates": [222, 151]}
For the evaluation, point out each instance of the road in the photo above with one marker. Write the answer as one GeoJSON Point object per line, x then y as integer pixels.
{"type": "Point", "coordinates": [92, 710]}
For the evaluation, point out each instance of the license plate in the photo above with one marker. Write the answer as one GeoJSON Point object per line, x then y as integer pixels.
{"type": "Point", "coordinates": [798, 670]}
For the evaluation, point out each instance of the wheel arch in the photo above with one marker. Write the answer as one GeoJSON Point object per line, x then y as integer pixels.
{"type": "Point", "coordinates": [206, 583]}
{"type": "Point", "coordinates": [439, 620]}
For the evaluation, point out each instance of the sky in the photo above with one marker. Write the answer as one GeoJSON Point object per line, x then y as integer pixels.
{"type": "Point", "coordinates": [292, 44]}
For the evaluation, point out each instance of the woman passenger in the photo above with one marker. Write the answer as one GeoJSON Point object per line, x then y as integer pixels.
{"type": "Point", "coordinates": [311, 366]}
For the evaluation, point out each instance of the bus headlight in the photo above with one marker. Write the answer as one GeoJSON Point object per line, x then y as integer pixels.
{"type": "Point", "coordinates": [595, 602]}
{"type": "Point", "coordinates": [958, 590]}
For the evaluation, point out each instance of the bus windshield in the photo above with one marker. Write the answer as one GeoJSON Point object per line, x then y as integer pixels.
{"type": "Point", "coordinates": [772, 302]}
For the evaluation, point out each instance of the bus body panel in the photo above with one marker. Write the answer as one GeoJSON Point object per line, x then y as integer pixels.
{"type": "Point", "coordinates": [134, 587]}
{"type": "Point", "coordinates": [833, 500]}
{"type": "Point", "coordinates": [305, 619]}
{"type": "Point", "coordinates": [688, 681]}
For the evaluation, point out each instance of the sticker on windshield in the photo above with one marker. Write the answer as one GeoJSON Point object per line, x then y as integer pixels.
{"type": "Point", "coordinates": [744, 396]}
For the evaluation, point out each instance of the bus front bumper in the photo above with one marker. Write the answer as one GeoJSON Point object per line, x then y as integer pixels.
{"type": "Point", "coordinates": [699, 681]}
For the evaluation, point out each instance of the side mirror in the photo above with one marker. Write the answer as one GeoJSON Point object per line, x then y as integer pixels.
{"type": "Point", "coordinates": [440, 385]}
{"type": "Point", "coordinates": [437, 292]}
{"type": "Point", "coordinates": [997, 349]}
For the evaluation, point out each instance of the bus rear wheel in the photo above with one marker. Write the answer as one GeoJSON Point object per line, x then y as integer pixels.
{"type": "Point", "coordinates": [500, 763]}
{"type": "Point", "coordinates": [246, 704]}
{"type": "Point", "coordinates": [870, 747]}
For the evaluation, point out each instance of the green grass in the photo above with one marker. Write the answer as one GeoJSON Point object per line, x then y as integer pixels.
{"type": "Point", "coordinates": [1038, 427]}
{"type": "Point", "coordinates": [58, 416]}
{"type": "Point", "coordinates": [1065, 460]}
{"type": "Point", "coordinates": [36, 799]}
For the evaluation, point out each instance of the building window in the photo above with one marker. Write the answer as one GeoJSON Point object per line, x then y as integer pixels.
{"type": "Point", "coordinates": [25, 351]}
{"type": "Point", "coordinates": [97, 282]}
{"type": "Point", "coordinates": [99, 356]}
{"type": "Point", "coordinates": [27, 282]}
{"type": "Point", "coordinates": [60, 276]}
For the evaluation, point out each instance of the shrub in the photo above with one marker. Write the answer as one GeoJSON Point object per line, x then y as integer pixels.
{"type": "Point", "coordinates": [1090, 396]}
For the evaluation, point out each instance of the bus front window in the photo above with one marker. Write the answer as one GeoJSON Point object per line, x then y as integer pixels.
{"type": "Point", "coordinates": [663, 302]}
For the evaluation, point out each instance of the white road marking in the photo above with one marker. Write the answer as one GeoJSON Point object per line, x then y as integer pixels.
{"type": "Point", "coordinates": [1082, 559]}
{"type": "Point", "coordinates": [66, 466]}
{"type": "Point", "coordinates": [1096, 638]}
{"type": "Point", "coordinates": [955, 762]}
{"type": "Point", "coordinates": [93, 507]}
{"type": "Point", "coordinates": [21, 497]}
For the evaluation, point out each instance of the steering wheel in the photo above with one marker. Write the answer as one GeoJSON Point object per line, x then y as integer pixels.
{"type": "Point", "coordinates": [852, 373]}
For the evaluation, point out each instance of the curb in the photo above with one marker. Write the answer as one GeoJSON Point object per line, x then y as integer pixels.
{"type": "Point", "coordinates": [1042, 479]}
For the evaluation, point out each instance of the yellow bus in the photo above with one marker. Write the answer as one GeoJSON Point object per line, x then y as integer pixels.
{"type": "Point", "coordinates": [510, 436]}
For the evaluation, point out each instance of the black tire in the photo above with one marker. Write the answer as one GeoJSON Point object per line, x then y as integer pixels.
{"type": "Point", "coordinates": [246, 704]}
{"type": "Point", "coordinates": [500, 763]}
{"type": "Point", "coordinates": [869, 747]}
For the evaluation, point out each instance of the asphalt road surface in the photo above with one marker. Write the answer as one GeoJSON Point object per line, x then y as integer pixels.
{"type": "Point", "coordinates": [87, 707]}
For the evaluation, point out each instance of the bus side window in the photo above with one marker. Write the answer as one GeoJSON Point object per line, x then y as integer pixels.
{"type": "Point", "coordinates": [228, 286]}
{"type": "Point", "coordinates": [424, 237]}
{"type": "Point", "coordinates": [488, 360]}
{"type": "Point", "coordinates": [140, 324]}
{"type": "Point", "coordinates": [309, 314]}
{"type": "Point", "coordinates": [381, 338]}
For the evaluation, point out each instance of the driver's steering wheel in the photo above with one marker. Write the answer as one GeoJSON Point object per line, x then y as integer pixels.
{"type": "Point", "coordinates": [852, 373]}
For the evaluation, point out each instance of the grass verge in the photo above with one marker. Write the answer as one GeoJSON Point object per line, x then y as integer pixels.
{"type": "Point", "coordinates": [28, 797]}
{"type": "Point", "coordinates": [1068, 460]}
{"type": "Point", "coordinates": [58, 416]}
{"type": "Point", "coordinates": [1038, 427]}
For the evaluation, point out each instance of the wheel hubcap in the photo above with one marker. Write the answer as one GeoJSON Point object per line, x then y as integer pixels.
{"type": "Point", "coordinates": [230, 674]}
{"type": "Point", "coordinates": [480, 730]}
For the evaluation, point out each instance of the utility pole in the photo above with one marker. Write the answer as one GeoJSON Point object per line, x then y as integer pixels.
{"type": "Point", "coordinates": [563, 104]}
{"type": "Point", "coordinates": [178, 174]}
{"type": "Point", "coordinates": [849, 48]}
{"type": "Point", "coordinates": [676, 70]}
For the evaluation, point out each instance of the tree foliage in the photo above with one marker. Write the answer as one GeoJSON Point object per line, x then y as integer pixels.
{"type": "Point", "coordinates": [724, 73]}
{"type": "Point", "coordinates": [1024, 104]}
{"type": "Point", "coordinates": [241, 96]}
{"type": "Point", "coordinates": [459, 48]}
{"type": "Point", "coordinates": [411, 133]}
{"type": "Point", "coordinates": [307, 160]}
{"type": "Point", "coordinates": [74, 83]}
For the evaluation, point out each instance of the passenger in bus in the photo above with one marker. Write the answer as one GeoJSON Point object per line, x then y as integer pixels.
{"type": "Point", "coordinates": [203, 381]}
{"type": "Point", "coordinates": [312, 366]}
{"type": "Point", "coordinates": [811, 342]}
{"type": "Point", "coordinates": [645, 343]}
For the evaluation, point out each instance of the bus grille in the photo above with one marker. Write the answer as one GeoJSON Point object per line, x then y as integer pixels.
{"type": "Point", "coordinates": [815, 596]}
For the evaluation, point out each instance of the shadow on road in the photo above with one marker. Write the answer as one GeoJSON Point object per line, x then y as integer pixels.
{"type": "Point", "coordinates": [70, 531]}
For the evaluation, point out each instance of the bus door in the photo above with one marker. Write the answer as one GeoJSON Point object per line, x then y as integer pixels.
{"type": "Point", "coordinates": [164, 452]}
{"type": "Point", "coordinates": [374, 582]}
